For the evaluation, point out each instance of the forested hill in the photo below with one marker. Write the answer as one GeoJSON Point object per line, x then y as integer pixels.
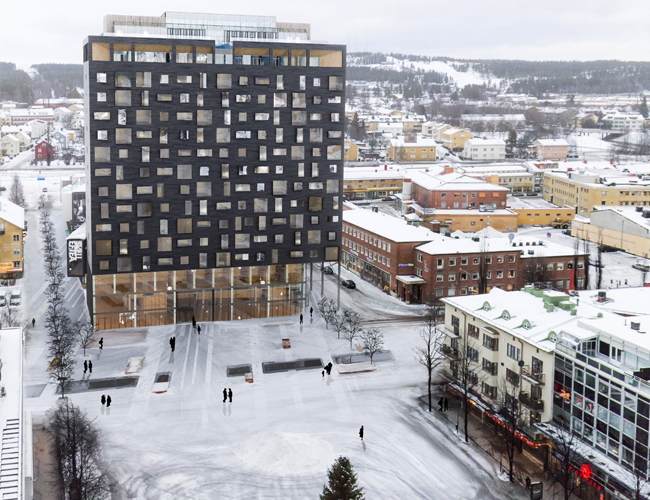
{"type": "Point", "coordinates": [40, 81]}
{"type": "Point", "coordinates": [514, 76]}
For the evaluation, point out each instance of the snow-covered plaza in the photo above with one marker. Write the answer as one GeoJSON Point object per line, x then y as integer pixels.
{"type": "Point", "coordinates": [280, 433]}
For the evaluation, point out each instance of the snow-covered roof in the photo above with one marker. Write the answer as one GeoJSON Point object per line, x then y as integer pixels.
{"type": "Point", "coordinates": [386, 226]}
{"type": "Point", "coordinates": [452, 182]}
{"type": "Point", "coordinates": [551, 142]}
{"type": "Point", "coordinates": [493, 118]}
{"type": "Point", "coordinates": [12, 213]}
{"type": "Point", "coordinates": [422, 142]}
{"type": "Point", "coordinates": [628, 213]}
{"type": "Point", "coordinates": [485, 142]}
{"type": "Point", "coordinates": [363, 173]}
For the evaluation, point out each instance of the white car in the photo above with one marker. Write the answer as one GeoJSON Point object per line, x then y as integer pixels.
{"type": "Point", "coordinates": [15, 298]}
{"type": "Point", "coordinates": [3, 299]}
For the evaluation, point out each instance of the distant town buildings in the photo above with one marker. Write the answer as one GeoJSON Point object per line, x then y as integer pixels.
{"type": "Point", "coordinates": [485, 149]}
{"type": "Point", "coordinates": [551, 149]}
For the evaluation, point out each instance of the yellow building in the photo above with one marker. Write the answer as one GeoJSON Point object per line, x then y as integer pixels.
{"type": "Point", "coordinates": [402, 150]}
{"type": "Point", "coordinates": [350, 151]}
{"type": "Point", "coordinates": [12, 225]}
{"type": "Point", "coordinates": [470, 220]}
{"type": "Point", "coordinates": [454, 139]}
{"type": "Point", "coordinates": [367, 183]}
{"type": "Point", "coordinates": [624, 228]}
{"type": "Point", "coordinates": [543, 216]}
{"type": "Point", "coordinates": [584, 191]}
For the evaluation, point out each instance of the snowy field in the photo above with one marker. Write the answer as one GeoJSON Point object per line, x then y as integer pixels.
{"type": "Point", "coordinates": [280, 434]}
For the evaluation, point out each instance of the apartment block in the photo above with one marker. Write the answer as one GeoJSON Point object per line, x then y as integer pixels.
{"type": "Point", "coordinates": [214, 161]}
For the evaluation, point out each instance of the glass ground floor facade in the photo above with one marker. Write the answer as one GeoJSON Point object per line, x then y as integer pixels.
{"type": "Point", "coordinates": [131, 300]}
{"type": "Point", "coordinates": [366, 270]}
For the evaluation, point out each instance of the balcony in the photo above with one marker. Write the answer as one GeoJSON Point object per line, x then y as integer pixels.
{"type": "Point", "coordinates": [450, 352]}
{"type": "Point", "coordinates": [531, 403]}
{"type": "Point", "coordinates": [532, 377]}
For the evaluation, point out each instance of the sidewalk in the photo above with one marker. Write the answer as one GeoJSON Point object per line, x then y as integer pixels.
{"type": "Point", "coordinates": [488, 441]}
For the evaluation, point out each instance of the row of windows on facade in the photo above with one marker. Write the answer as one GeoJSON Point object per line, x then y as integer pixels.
{"type": "Point", "coordinates": [361, 250]}
{"type": "Point", "coordinates": [188, 172]}
{"type": "Point", "coordinates": [145, 209]}
{"type": "Point", "coordinates": [185, 54]}
{"type": "Point", "coordinates": [598, 405]}
{"type": "Point", "coordinates": [102, 154]}
{"type": "Point", "coordinates": [104, 247]}
{"type": "Point", "coordinates": [125, 136]}
{"type": "Point", "coordinates": [223, 81]}
{"type": "Point", "coordinates": [223, 259]}
{"type": "Point", "coordinates": [366, 237]}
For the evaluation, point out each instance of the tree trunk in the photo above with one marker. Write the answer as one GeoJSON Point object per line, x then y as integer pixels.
{"type": "Point", "coordinates": [466, 416]}
{"type": "Point", "coordinates": [429, 386]}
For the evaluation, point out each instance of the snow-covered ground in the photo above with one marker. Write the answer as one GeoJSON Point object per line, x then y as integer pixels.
{"type": "Point", "coordinates": [282, 432]}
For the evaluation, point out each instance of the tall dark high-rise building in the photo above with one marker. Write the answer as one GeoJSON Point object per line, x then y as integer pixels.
{"type": "Point", "coordinates": [214, 165]}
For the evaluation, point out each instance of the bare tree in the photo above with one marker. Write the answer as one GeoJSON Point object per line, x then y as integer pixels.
{"type": "Point", "coordinates": [430, 354]}
{"type": "Point", "coordinates": [327, 310]}
{"type": "Point", "coordinates": [566, 457]}
{"type": "Point", "coordinates": [536, 271]}
{"type": "Point", "coordinates": [463, 370]}
{"type": "Point", "coordinates": [84, 331]}
{"type": "Point", "coordinates": [16, 194]}
{"type": "Point", "coordinates": [586, 250]}
{"type": "Point", "coordinates": [483, 267]}
{"type": "Point", "coordinates": [638, 479]}
{"type": "Point", "coordinates": [599, 260]}
{"type": "Point", "coordinates": [511, 411]}
{"type": "Point", "coordinates": [373, 341]}
{"type": "Point", "coordinates": [352, 328]}
{"type": "Point", "coordinates": [79, 452]}
{"type": "Point", "coordinates": [338, 323]}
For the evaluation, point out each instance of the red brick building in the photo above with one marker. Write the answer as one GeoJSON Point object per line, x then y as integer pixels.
{"type": "Point", "coordinates": [418, 265]}
{"type": "Point", "coordinates": [455, 191]}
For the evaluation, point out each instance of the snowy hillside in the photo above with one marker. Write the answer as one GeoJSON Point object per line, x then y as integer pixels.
{"type": "Point", "coordinates": [461, 79]}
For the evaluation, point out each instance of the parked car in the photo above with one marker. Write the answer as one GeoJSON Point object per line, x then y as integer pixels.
{"type": "Point", "coordinates": [532, 194]}
{"type": "Point", "coordinates": [15, 298]}
{"type": "Point", "coordinates": [572, 155]}
{"type": "Point", "coordinates": [3, 299]}
{"type": "Point", "coordinates": [348, 284]}
{"type": "Point", "coordinates": [328, 270]}
{"type": "Point", "coordinates": [518, 195]}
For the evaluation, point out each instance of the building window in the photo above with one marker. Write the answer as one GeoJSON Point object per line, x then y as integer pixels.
{"type": "Point", "coordinates": [514, 352]}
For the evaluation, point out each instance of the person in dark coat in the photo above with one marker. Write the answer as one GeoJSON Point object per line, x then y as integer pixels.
{"type": "Point", "coordinates": [193, 322]}
{"type": "Point", "coordinates": [103, 399]}
{"type": "Point", "coordinates": [311, 312]}
{"type": "Point", "coordinates": [301, 318]}
{"type": "Point", "coordinates": [173, 342]}
{"type": "Point", "coordinates": [446, 404]}
{"type": "Point", "coordinates": [85, 366]}
{"type": "Point", "coordinates": [441, 403]}
{"type": "Point", "coordinates": [101, 343]}
{"type": "Point", "coordinates": [198, 329]}
{"type": "Point", "coordinates": [361, 433]}
{"type": "Point", "coordinates": [33, 322]}
{"type": "Point", "coordinates": [108, 401]}
{"type": "Point", "coordinates": [230, 395]}
{"type": "Point", "coordinates": [90, 366]}
{"type": "Point", "coordinates": [225, 394]}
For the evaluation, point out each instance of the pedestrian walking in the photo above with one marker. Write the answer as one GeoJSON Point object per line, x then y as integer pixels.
{"type": "Point", "coordinates": [33, 322]}
{"type": "Point", "coordinates": [193, 322]}
{"type": "Point", "coordinates": [108, 401]}
{"type": "Point", "coordinates": [198, 329]}
{"type": "Point", "coordinates": [446, 404]}
{"type": "Point", "coordinates": [85, 366]}
{"type": "Point", "coordinates": [101, 343]}
{"type": "Point", "coordinates": [103, 399]}
{"type": "Point", "coordinates": [441, 403]}
{"type": "Point", "coordinates": [323, 373]}
{"type": "Point", "coordinates": [225, 394]}
{"type": "Point", "coordinates": [230, 395]}
{"type": "Point", "coordinates": [173, 344]}
{"type": "Point", "coordinates": [90, 366]}
{"type": "Point", "coordinates": [361, 433]}
{"type": "Point", "coordinates": [311, 312]}
{"type": "Point", "coordinates": [301, 318]}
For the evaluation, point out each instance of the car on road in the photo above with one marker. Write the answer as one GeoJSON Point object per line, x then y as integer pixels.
{"type": "Point", "coordinates": [3, 299]}
{"type": "Point", "coordinates": [518, 195]}
{"type": "Point", "coordinates": [532, 194]}
{"type": "Point", "coordinates": [15, 298]}
{"type": "Point", "coordinates": [572, 155]}
{"type": "Point", "coordinates": [348, 284]}
{"type": "Point", "coordinates": [328, 270]}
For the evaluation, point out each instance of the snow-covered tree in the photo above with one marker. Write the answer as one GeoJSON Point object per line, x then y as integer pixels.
{"type": "Point", "coordinates": [16, 194]}
{"type": "Point", "coordinates": [352, 326]}
{"type": "Point", "coordinates": [342, 482]}
{"type": "Point", "coordinates": [373, 341]}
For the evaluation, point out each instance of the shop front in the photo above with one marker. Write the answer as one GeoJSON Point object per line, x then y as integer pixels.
{"type": "Point", "coordinates": [409, 288]}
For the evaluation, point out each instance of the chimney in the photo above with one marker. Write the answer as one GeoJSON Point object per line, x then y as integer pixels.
{"type": "Point", "coordinates": [602, 296]}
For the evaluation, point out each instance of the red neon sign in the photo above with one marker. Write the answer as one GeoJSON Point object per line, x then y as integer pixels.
{"type": "Point", "coordinates": [585, 471]}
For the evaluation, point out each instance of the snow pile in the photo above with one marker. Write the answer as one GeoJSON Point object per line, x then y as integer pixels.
{"type": "Point", "coordinates": [286, 454]}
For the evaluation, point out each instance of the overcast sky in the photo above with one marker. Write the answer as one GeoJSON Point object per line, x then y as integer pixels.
{"type": "Point", "coordinates": [39, 31]}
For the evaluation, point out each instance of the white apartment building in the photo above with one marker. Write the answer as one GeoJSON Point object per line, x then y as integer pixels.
{"type": "Point", "coordinates": [623, 122]}
{"type": "Point", "coordinates": [485, 149]}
